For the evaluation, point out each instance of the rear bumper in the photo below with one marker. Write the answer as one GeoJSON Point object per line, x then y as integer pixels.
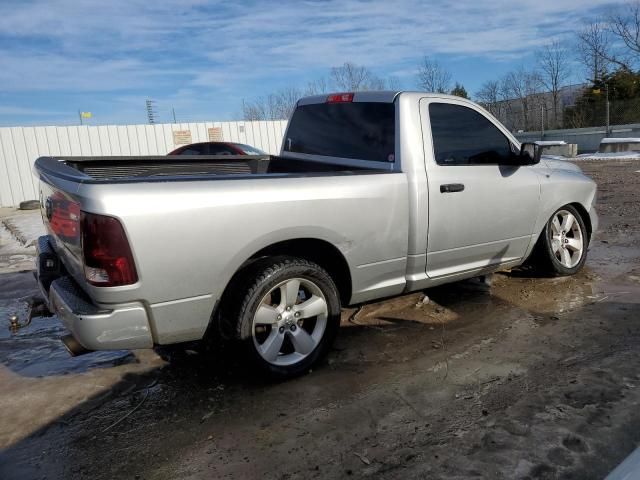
{"type": "Point", "coordinates": [95, 327]}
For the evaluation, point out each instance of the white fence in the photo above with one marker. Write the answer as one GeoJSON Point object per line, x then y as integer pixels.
{"type": "Point", "coordinates": [20, 146]}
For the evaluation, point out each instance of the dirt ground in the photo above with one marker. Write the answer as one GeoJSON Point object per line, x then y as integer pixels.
{"type": "Point", "coordinates": [519, 377]}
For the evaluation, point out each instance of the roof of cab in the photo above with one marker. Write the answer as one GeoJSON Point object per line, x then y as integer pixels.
{"type": "Point", "coordinates": [381, 96]}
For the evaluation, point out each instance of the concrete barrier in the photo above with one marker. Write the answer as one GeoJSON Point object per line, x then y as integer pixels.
{"type": "Point", "coordinates": [560, 148]}
{"type": "Point", "coordinates": [588, 139]}
{"type": "Point", "coordinates": [615, 145]}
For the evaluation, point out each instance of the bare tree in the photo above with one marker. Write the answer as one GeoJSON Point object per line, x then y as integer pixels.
{"type": "Point", "coordinates": [432, 77]}
{"type": "Point", "coordinates": [350, 77]}
{"type": "Point", "coordinates": [393, 83]}
{"type": "Point", "coordinates": [595, 46]}
{"type": "Point", "coordinates": [553, 60]}
{"type": "Point", "coordinates": [624, 25]}
{"type": "Point", "coordinates": [317, 87]}
{"type": "Point", "coordinates": [523, 86]}
{"type": "Point", "coordinates": [489, 96]}
{"type": "Point", "coordinates": [275, 106]}
{"type": "Point", "coordinates": [354, 78]}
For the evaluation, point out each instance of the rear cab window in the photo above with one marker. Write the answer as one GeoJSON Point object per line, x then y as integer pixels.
{"type": "Point", "coordinates": [354, 130]}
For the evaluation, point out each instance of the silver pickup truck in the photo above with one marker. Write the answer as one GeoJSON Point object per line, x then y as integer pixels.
{"type": "Point", "coordinates": [374, 194]}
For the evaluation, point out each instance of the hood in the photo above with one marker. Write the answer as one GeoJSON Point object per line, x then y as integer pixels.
{"type": "Point", "coordinates": [560, 163]}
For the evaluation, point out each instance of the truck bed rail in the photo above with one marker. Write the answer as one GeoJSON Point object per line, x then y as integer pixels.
{"type": "Point", "coordinates": [120, 169]}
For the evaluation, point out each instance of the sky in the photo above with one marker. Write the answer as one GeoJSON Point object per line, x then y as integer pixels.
{"type": "Point", "coordinates": [202, 58]}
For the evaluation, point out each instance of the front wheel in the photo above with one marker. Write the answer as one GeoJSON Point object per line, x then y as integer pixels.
{"type": "Point", "coordinates": [563, 243]}
{"type": "Point", "coordinates": [289, 315]}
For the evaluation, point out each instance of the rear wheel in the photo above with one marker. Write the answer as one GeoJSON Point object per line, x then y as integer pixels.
{"type": "Point", "coordinates": [288, 317]}
{"type": "Point", "coordinates": [563, 243]}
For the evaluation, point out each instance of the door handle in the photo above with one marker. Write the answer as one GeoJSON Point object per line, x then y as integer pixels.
{"type": "Point", "coordinates": [451, 187]}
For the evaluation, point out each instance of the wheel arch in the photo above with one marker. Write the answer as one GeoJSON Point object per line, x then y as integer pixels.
{"type": "Point", "coordinates": [584, 213]}
{"type": "Point", "coordinates": [316, 250]}
{"type": "Point", "coordinates": [321, 252]}
{"type": "Point", "coordinates": [586, 218]}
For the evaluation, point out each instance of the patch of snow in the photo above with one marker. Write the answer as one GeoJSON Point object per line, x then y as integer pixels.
{"type": "Point", "coordinates": [620, 140]}
{"type": "Point", "coordinates": [550, 142]}
{"type": "Point", "coordinates": [25, 226]}
{"type": "Point", "coordinates": [609, 156]}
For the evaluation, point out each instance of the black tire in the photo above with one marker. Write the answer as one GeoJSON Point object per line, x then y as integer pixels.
{"type": "Point", "coordinates": [30, 205]}
{"type": "Point", "coordinates": [251, 287]}
{"type": "Point", "coordinates": [546, 260]}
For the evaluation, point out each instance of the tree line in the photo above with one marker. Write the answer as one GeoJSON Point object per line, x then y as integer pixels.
{"type": "Point", "coordinates": [604, 54]}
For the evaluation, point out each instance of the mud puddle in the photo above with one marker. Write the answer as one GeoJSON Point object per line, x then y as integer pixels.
{"type": "Point", "coordinates": [35, 350]}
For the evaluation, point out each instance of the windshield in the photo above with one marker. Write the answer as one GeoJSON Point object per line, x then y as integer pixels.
{"type": "Point", "coordinates": [360, 130]}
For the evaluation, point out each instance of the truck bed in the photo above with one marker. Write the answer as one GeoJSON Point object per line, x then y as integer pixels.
{"type": "Point", "coordinates": [118, 169]}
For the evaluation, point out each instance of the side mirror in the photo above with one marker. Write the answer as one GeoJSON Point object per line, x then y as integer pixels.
{"type": "Point", "coordinates": [530, 153]}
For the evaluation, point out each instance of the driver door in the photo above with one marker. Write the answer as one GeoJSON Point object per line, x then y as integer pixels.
{"type": "Point", "coordinates": [482, 207]}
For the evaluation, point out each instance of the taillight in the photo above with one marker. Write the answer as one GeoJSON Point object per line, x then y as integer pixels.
{"type": "Point", "coordinates": [340, 98]}
{"type": "Point", "coordinates": [108, 261]}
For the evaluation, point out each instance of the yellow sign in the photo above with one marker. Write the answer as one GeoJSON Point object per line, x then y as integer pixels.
{"type": "Point", "coordinates": [85, 114]}
{"type": "Point", "coordinates": [182, 137]}
{"type": "Point", "coordinates": [215, 134]}
{"type": "Point", "coordinates": [596, 91]}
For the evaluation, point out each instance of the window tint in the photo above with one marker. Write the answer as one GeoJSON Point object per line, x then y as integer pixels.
{"type": "Point", "coordinates": [360, 130]}
{"type": "Point", "coordinates": [463, 136]}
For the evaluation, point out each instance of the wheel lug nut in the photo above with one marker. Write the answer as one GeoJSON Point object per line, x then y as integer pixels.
{"type": "Point", "coordinates": [281, 329]}
{"type": "Point", "coordinates": [300, 323]}
{"type": "Point", "coordinates": [297, 314]}
{"type": "Point", "coordinates": [293, 328]}
{"type": "Point", "coordinates": [288, 308]}
{"type": "Point", "coordinates": [279, 317]}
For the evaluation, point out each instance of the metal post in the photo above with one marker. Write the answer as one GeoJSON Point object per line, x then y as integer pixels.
{"type": "Point", "coordinates": [606, 89]}
{"type": "Point", "coordinates": [542, 122]}
{"type": "Point", "coordinates": [173, 110]}
{"type": "Point", "coordinates": [80, 116]}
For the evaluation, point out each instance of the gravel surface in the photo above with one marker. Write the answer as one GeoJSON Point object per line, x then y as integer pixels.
{"type": "Point", "coordinates": [513, 377]}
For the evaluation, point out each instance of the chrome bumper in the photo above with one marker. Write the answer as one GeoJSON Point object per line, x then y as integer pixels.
{"type": "Point", "coordinates": [95, 327]}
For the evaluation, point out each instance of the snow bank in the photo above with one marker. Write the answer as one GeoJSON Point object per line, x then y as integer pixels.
{"type": "Point", "coordinates": [620, 140]}
{"type": "Point", "coordinates": [609, 156]}
{"type": "Point", "coordinates": [550, 142]}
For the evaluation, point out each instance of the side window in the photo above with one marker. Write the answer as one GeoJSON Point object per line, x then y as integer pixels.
{"type": "Point", "coordinates": [462, 136]}
{"type": "Point", "coordinates": [220, 150]}
{"type": "Point", "coordinates": [195, 149]}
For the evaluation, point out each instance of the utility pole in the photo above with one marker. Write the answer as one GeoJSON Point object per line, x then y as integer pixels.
{"type": "Point", "coordinates": [151, 114]}
{"type": "Point", "coordinates": [173, 110]}
{"type": "Point", "coordinates": [542, 121]}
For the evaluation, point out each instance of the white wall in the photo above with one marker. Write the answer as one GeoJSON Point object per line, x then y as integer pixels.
{"type": "Point", "coordinates": [20, 146]}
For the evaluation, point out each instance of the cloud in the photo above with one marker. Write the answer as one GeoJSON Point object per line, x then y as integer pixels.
{"type": "Point", "coordinates": [240, 48]}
